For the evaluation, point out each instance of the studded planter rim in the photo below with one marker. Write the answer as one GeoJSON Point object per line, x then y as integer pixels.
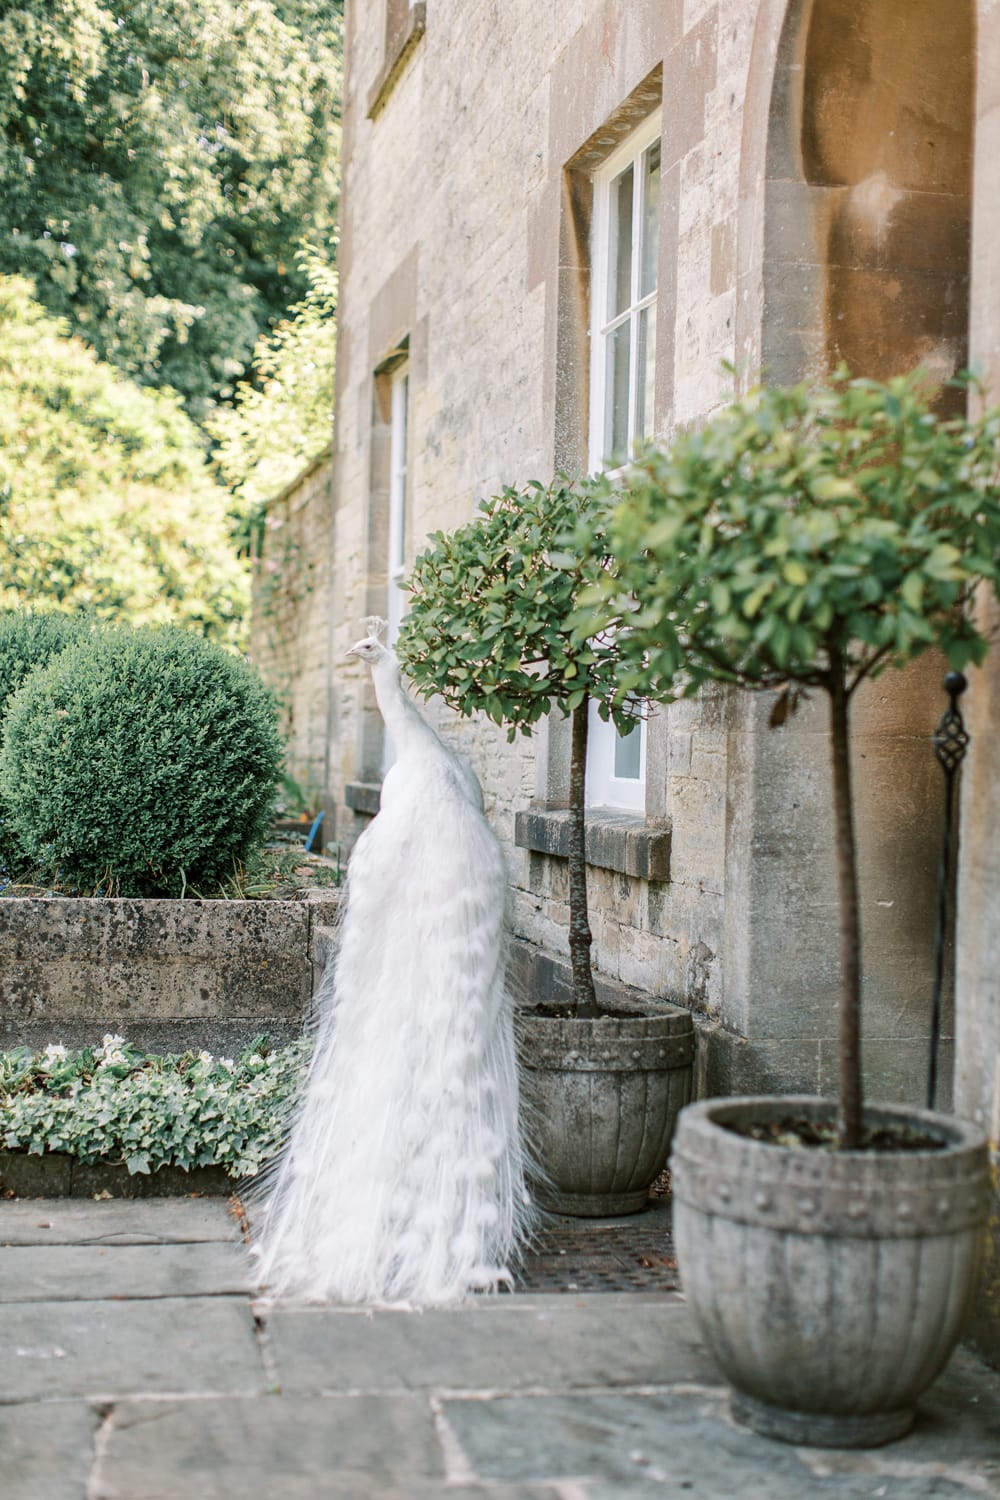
{"type": "Point", "coordinates": [601, 1100]}
{"type": "Point", "coordinates": [831, 1287]}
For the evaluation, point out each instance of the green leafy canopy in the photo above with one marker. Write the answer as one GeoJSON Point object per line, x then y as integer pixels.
{"type": "Point", "coordinates": [489, 625]}
{"type": "Point", "coordinates": [107, 505]}
{"type": "Point", "coordinates": [157, 161]}
{"type": "Point", "coordinates": [281, 418]}
{"type": "Point", "coordinates": [803, 533]}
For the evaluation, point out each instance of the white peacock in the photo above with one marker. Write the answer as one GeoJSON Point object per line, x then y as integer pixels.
{"type": "Point", "coordinates": [403, 1178]}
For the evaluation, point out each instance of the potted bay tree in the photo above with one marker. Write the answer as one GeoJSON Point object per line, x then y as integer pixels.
{"type": "Point", "coordinates": [804, 541]}
{"type": "Point", "coordinates": [489, 627]}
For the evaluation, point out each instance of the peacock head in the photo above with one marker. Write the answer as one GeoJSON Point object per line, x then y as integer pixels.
{"type": "Point", "coordinates": [371, 648]}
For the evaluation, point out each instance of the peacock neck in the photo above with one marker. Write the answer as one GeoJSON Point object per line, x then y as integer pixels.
{"type": "Point", "coordinates": [405, 726]}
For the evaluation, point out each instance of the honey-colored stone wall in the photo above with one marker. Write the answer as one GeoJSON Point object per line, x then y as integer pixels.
{"type": "Point", "coordinates": [464, 248]}
{"type": "Point", "coordinates": [291, 620]}
{"type": "Point", "coordinates": [977, 1073]}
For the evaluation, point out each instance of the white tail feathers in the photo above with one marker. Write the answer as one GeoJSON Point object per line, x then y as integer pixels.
{"type": "Point", "coordinates": [403, 1179]}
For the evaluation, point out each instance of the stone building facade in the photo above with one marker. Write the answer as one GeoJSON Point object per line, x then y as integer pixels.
{"type": "Point", "coordinates": [559, 221]}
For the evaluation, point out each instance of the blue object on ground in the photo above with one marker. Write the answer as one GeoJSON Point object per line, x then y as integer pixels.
{"type": "Point", "coordinates": [312, 837]}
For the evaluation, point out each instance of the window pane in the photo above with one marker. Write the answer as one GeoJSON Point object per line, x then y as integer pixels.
{"type": "Point", "coordinates": [650, 219]}
{"type": "Point", "coordinates": [620, 278]}
{"type": "Point", "coordinates": [645, 373]}
{"type": "Point", "coordinates": [616, 402]}
{"type": "Point", "coordinates": [628, 754]}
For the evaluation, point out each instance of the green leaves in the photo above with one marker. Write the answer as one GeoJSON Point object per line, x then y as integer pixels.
{"type": "Point", "coordinates": [188, 1109]}
{"type": "Point", "coordinates": [93, 792]}
{"type": "Point", "coordinates": [494, 605]}
{"type": "Point", "coordinates": [280, 417]}
{"type": "Point", "coordinates": [801, 528]}
{"type": "Point", "coordinates": [106, 502]}
{"type": "Point", "coordinates": [157, 161]}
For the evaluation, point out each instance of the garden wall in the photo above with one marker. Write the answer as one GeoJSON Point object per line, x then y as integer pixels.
{"type": "Point", "coordinates": [290, 621]}
{"type": "Point", "coordinates": [165, 974]}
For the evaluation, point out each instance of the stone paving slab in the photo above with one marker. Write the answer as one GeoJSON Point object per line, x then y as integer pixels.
{"type": "Point", "coordinates": [45, 1450]}
{"type": "Point", "coordinates": [137, 1395]}
{"type": "Point", "coordinates": [682, 1442]}
{"type": "Point", "coordinates": [499, 1343]}
{"type": "Point", "coordinates": [275, 1448]}
{"type": "Point", "coordinates": [148, 1221]}
{"type": "Point", "coordinates": [108, 1349]}
{"type": "Point", "coordinates": [48, 1273]}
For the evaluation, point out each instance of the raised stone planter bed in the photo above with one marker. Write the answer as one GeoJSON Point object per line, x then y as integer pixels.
{"type": "Point", "coordinates": [166, 974]}
{"type": "Point", "coordinates": [57, 1175]}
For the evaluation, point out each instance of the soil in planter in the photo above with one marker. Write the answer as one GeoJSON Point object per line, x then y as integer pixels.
{"type": "Point", "coordinates": [803, 1133]}
{"type": "Point", "coordinates": [270, 875]}
{"type": "Point", "coordinates": [567, 1013]}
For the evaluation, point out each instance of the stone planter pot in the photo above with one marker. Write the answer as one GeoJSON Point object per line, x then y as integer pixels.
{"type": "Point", "coordinates": [831, 1287]}
{"type": "Point", "coordinates": [601, 1098]}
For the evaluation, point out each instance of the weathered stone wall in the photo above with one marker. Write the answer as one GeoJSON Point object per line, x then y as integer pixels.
{"type": "Point", "coordinates": [459, 183]}
{"type": "Point", "coordinates": [165, 974]}
{"type": "Point", "coordinates": [291, 616]}
{"type": "Point", "coordinates": [977, 1074]}
{"type": "Point", "coordinates": [464, 249]}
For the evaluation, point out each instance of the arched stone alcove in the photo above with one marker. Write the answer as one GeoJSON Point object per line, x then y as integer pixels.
{"type": "Point", "coordinates": [867, 203]}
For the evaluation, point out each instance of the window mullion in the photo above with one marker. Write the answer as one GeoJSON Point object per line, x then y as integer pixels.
{"type": "Point", "coordinates": [634, 286]}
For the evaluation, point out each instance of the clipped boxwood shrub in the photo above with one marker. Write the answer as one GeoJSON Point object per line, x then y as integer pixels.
{"type": "Point", "coordinates": [27, 641]}
{"type": "Point", "coordinates": [140, 762]}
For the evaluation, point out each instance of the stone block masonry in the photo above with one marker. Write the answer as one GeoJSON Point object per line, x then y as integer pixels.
{"type": "Point", "coordinates": [466, 249]}
{"type": "Point", "coordinates": [290, 625]}
{"type": "Point", "coordinates": [165, 974]}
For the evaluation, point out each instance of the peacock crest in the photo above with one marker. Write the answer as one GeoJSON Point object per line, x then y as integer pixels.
{"type": "Point", "coordinates": [376, 627]}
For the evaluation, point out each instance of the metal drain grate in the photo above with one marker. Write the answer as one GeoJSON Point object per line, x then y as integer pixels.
{"type": "Point", "coordinates": [630, 1254]}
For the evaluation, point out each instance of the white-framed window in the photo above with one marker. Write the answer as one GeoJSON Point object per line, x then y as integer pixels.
{"type": "Point", "coordinates": [399, 398]}
{"type": "Point", "coordinates": [616, 765]}
{"type": "Point", "coordinates": [624, 257]}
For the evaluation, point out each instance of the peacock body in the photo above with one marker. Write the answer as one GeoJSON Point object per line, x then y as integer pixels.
{"type": "Point", "coordinates": [403, 1177]}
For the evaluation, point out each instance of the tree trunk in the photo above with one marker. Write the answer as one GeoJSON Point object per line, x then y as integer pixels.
{"type": "Point", "coordinates": [849, 1104]}
{"type": "Point", "coordinates": [580, 939]}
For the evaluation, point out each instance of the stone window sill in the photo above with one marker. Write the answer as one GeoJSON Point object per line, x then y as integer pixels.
{"type": "Point", "coordinates": [416, 25]}
{"type": "Point", "coordinates": [625, 842]}
{"type": "Point", "coordinates": [363, 796]}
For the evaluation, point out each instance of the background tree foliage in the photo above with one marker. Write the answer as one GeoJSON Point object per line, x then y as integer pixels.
{"type": "Point", "coordinates": [106, 501]}
{"type": "Point", "coordinates": [159, 163]}
{"type": "Point", "coordinates": [282, 416]}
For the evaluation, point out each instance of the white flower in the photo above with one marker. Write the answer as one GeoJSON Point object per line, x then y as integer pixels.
{"type": "Point", "coordinates": [54, 1052]}
{"type": "Point", "coordinates": [206, 1059]}
{"type": "Point", "coordinates": [109, 1050]}
{"type": "Point", "coordinates": [227, 1063]}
